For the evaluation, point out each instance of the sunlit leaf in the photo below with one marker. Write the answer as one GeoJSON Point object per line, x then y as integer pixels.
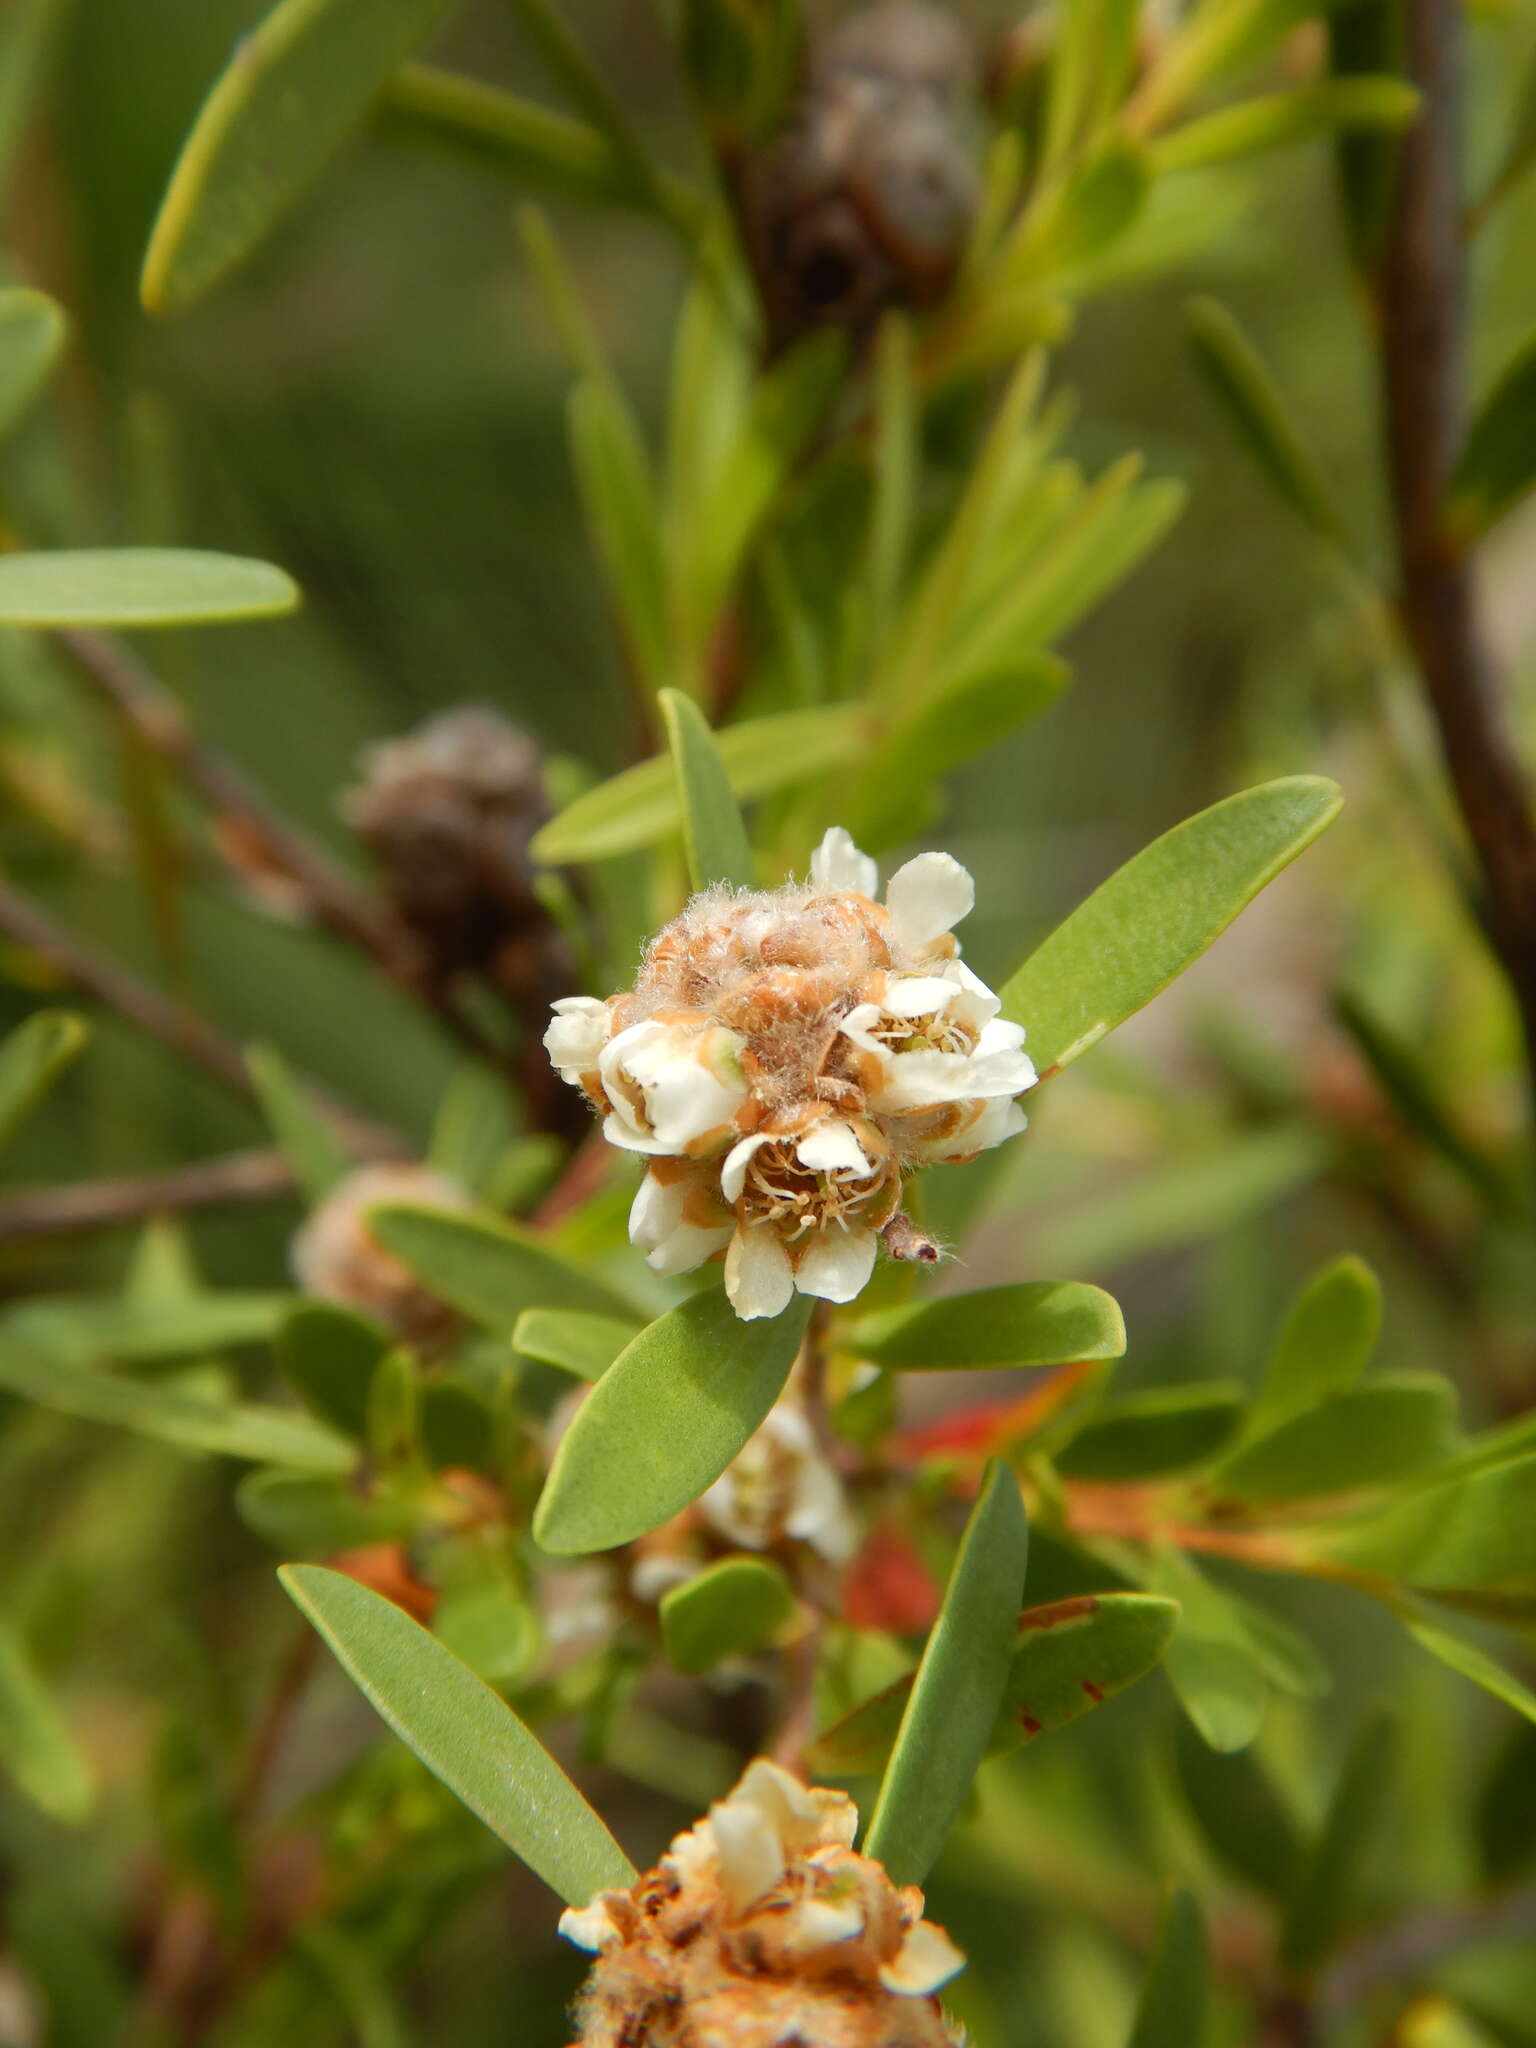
{"type": "Point", "coordinates": [1171, 2012]}
{"type": "Point", "coordinates": [139, 587]}
{"type": "Point", "coordinates": [32, 1057]}
{"type": "Point", "coordinates": [1473, 1531]}
{"type": "Point", "coordinates": [464, 1734]}
{"type": "Point", "coordinates": [1325, 1343]}
{"type": "Point", "coordinates": [1323, 1893]}
{"type": "Point", "coordinates": [730, 1609]}
{"type": "Point", "coordinates": [664, 1421]}
{"type": "Point", "coordinates": [1037, 1322]}
{"type": "Point", "coordinates": [956, 1692]}
{"type": "Point", "coordinates": [489, 1270]}
{"type": "Point", "coordinates": [760, 755]}
{"type": "Point", "coordinates": [303, 1136]}
{"type": "Point", "coordinates": [548, 150]}
{"type": "Point", "coordinates": [233, 1430]}
{"type": "Point", "coordinates": [36, 1746]}
{"type": "Point", "coordinates": [1165, 1429]}
{"type": "Point", "coordinates": [1398, 1424]}
{"type": "Point", "coordinates": [582, 1344]}
{"type": "Point", "coordinates": [32, 329]}
{"type": "Point", "coordinates": [1473, 1663]}
{"type": "Point", "coordinates": [1271, 120]}
{"type": "Point", "coordinates": [714, 838]}
{"type": "Point", "coordinates": [1155, 916]}
{"type": "Point", "coordinates": [1077, 218]}
{"type": "Point", "coordinates": [297, 87]}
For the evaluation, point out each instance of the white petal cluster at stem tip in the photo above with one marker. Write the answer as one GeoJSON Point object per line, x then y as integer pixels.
{"type": "Point", "coordinates": [786, 1060]}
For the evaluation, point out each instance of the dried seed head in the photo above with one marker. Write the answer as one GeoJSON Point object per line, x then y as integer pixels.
{"type": "Point", "coordinates": [785, 1059]}
{"type": "Point", "coordinates": [760, 1927]}
{"type": "Point", "coordinates": [337, 1257]}
{"type": "Point", "coordinates": [448, 811]}
{"type": "Point", "coordinates": [865, 200]}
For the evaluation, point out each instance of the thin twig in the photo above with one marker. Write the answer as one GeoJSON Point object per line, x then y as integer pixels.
{"type": "Point", "coordinates": [330, 894]}
{"type": "Point", "coordinates": [1422, 302]}
{"type": "Point", "coordinates": [254, 1176]}
{"type": "Point", "coordinates": [187, 1035]}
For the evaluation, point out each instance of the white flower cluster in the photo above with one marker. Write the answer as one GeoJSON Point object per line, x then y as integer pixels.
{"type": "Point", "coordinates": [761, 1924]}
{"type": "Point", "coordinates": [785, 1059]}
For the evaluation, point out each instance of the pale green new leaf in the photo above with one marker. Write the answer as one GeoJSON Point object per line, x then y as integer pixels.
{"type": "Point", "coordinates": [489, 1270]}
{"type": "Point", "coordinates": [664, 1421]}
{"type": "Point", "coordinates": [1323, 1894]}
{"type": "Point", "coordinates": [1171, 2012]}
{"type": "Point", "coordinates": [1254, 405]}
{"type": "Point", "coordinates": [298, 85]}
{"type": "Point", "coordinates": [134, 587]}
{"type": "Point", "coordinates": [36, 1746]}
{"type": "Point", "coordinates": [714, 838]}
{"type": "Point", "coordinates": [759, 756]}
{"type": "Point", "coordinates": [1272, 120]}
{"type": "Point", "coordinates": [1081, 216]}
{"type": "Point", "coordinates": [32, 1057]}
{"type": "Point", "coordinates": [1325, 1342]}
{"type": "Point", "coordinates": [582, 1344]}
{"type": "Point", "coordinates": [464, 1733]}
{"type": "Point", "coordinates": [303, 1136]}
{"type": "Point", "coordinates": [1159, 913]}
{"type": "Point", "coordinates": [232, 1430]}
{"type": "Point", "coordinates": [1036, 1322]}
{"type": "Point", "coordinates": [32, 329]}
{"type": "Point", "coordinates": [958, 1688]}
{"type": "Point", "coordinates": [731, 1609]}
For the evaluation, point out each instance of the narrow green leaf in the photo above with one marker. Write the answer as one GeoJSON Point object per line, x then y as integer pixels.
{"type": "Point", "coordinates": [1165, 1429]}
{"type": "Point", "coordinates": [1255, 406]}
{"type": "Point", "coordinates": [548, 150]}
{"type": "Point", "coordinates": [1235, 1807]}
{"type": "Point", "coordinates": [32, 1057]}
{"type": "Point", "coordinates": [474, 1129]}
{"type": "Point", "coordinates": [32, 330]}
{"type": "Point", "coordinates": [1171, 2013]}
{"type": "Point", "coordinates": [1079, 217]}
{"type": "Point", "coordinates": [139, 1329]}
{"type": "Point", "coordinates": [959, 1684]}
{"type": "Point", "coordinates": [134, 587]}
{"type": "Point", "coordinates": [760, 756]}
{"type": "Point", "coordinates": [299, 84]}
{"type": "Point", "coordinates": [893, 494]}
{"type": "Point", "coordinates": [618, 495]}
{"type": "Point", "coordinates": [302, 1514]}
{"type": "Point", "coordinates": [489, 1270]}
{"type": "Point", "coordinates": [1472, 1532]}
{"type": "Point", "coordinates": [1325, 1342]}
{"type": "Point", "coordinates": [1497, 466]}
{"type": "Point", "coordinates": [1038, 1322]}
{"type": "Point", "coordinates": [36, 1746]}
{"type": "Point", "coordinates": [233, 1430]}
{"type": "Point", "coordinates": [1273, 120]}
{"type": "Point", "coordinates": [582, 1344]}
{"type": "Point", "coordinates": [1324, 1892]}
{"type": "Point", "coordinates": [303, 1136]}
{"type": "Point", "coordinates": [30, 32]}
{"type": "Point", "coordinates": [1210, 1663]}
{"type": "Point", "coordinates": [394, 1412]}
{"type": "Point", "coordinates": [714, 837]}
{"type": "Point", "coordinates": [1366, 1436]}
{"type": "Point", "coordinates": [663, 1422]}
{"type": "Point", "coordinates": [731, 1609]}
{"type": "Point", "coordinates": [1070, 1657]}
{"type": "Point", "coordinates": [1473, 1663]}
{"type": "Point", "coordinates": [1155, 916]}
{"type": "Point", "coordinates": [328, 1356]}
{"type": "Point", "coordinates": [463, 1733]}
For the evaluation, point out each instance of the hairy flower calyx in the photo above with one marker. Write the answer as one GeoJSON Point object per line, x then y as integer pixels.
{"type": "Point", "coordinates": [785, 1060]}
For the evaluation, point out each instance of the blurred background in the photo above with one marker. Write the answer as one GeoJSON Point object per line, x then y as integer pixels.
{"type": "Point", "coordinates": [376, 403]}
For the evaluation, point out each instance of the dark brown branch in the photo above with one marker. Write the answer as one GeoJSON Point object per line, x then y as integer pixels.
{"type": "Point", "coordinates": [1422, 310]}
{"type": "Point", "coordinates": [328, 892]}
{"type": "Point", "coordinates": [98, 975]}
{"type": "Point", "coordinates": [254, 1176]}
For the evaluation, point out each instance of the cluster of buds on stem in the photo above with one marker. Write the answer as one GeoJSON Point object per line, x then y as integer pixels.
{"type": "Point", "coordinates": [786, 1059]}
{"type": "Point", "coordinates": [761, 1927]}
{"type": "Point", "coordinates": [865, 200]}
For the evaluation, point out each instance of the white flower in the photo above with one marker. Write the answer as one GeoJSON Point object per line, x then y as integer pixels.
{"type": "Point", "coordinates": [672, 1088]}
{"type": "Point", "coordinates": [780, 1484]}
{"type": "Point", "coordinates": [577, 1036]}
{"type": "Point", "coordinates": [802, 1049]}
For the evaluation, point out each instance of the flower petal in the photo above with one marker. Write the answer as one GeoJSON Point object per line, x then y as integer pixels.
{"type": "Point", "coordinates": [658, 1225]}
{"type": "Point", "coordinates": [591, 1926]}
{"type": "Point", "coordinates": [577, 1035]}
{"type": "Point", "coordinates": [747, 1848]}
{"type": "Point", "coordinates": [832, 1147]}
{"type": "Point", "coordinates": [836, 1263]}
{"type": "Point", "coordinates": [758, 1276]}
{"type": "Point", "coordinates": [926, 898]}
{"type": "Point", "coordinates": [733, 1173]}
{"type": "Point", "coordinates": [922, 1080]}
{"type": "Point", "coordinates": [925, 1960]}
{"type": "Point", "coordinates": [837, 866]}
{"type": "Point", "coordinates": [997, 1119]}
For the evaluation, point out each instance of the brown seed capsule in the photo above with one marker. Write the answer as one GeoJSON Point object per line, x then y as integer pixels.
{"type": "Point", "coordinates": [865, 200]}
{"type": "Point", "coordinates": [337, 1258]}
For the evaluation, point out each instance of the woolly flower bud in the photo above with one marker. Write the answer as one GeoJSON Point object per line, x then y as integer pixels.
{"type": "Point", "coordinates": [785, 1059]}
{"type": "Point", "coordinates": [760, 1927]}
{"type": "Point", "coordinates": [337, 1257]}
